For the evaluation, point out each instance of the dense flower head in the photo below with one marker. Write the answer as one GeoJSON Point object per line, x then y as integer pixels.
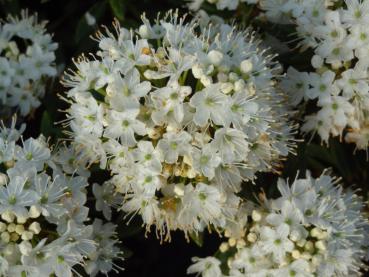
{"type": "Point", "coordinates": [44, 226]}
{"type": "Point", "coordinates": [27, 55]}
{"type": "Point", "coordinates": [313, 229]}
{"type": "Point", "coordinates": [220, 4]}
{"type": "Point", "coordinates": [337, 33]}
{"type": "Point", "coordinates": [339, 86]}
{"type": "Point", "coordinates": [180, 114]}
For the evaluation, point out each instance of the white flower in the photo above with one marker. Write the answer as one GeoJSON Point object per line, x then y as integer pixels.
{"type": "Point", "coordinates": [27, 56]}
{"type": "Point", "coordinates": [210, 104]}
{"type": "Point", "coordinates": [276, 241]}
{"type": "Point", "coordinates": [205, 160]}
{"type": "Point", "coordinates": [207, 267]}
{"type": "Point", "coordinates": [173, 145]}
{"type": "Point", "coordinates": [168, 102]}
{"type": "Point", "coordinates": [231, 144]}
{"type": "Point", "coordinates": [124, 125]}
{"type": "Point", "coordinates": [15, 198]}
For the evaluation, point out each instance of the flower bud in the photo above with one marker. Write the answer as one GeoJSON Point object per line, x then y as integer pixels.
{"type": "Point", "coordinates": [19, 229]}
{"type": "Point", "coordinates": [27, 235]}
{"type": "Point", "coordinates": [320, 245]}
{"type": "Point", "coordinates": [251, 237]}
{"type": "Point", "coordinates": [246, 66]}
{"type": "Point", "coordinates": [2, 227]}
{"type": "Point", "coordinates": [3, 179]}
{"type": "Point", "coordinates": [143, 31]}
{"type": "Point", "coordinates": [34, 212]}
{"type": "Point", "coordinates": [215, 57]}
{"type": "Point", "coordinates": [14, 237]}
{"type": "Point", "coordinates": [232, 242]}
{"type": "Point", "coordinates": [11, 228]}
{"type": "Point", "coordinates": [224, 247]}
{"type": "Point", "coordinates": [8, 216]}
{"type": "Point", "coordinates": [256, 215]}
{"type": "Point", "coordinates": [5, 237]}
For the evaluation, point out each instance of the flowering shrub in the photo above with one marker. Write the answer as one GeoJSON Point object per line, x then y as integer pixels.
{"type": "Point", "coordinates": [180, 125]}
{"type": "Point", "coordinates": [44, 226]}
{"type": "Point", "coordinates": [179, 118]}
{"type": "Point", "coordinates": [313, 229]}
{"type": "Point", "coordinates": [26, 61]}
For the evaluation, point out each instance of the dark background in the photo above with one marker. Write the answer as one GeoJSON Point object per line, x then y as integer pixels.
{"type": "Point", "coordinates": [146, 256]}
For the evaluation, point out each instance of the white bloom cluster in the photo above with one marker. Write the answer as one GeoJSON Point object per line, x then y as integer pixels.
{"type": "Point", "coordinates": [220, 4]}
{"type": "Point", "coordinates": [26, 60]}
{"type": "Point", "coordinates": [181, 115]}
{"type": "Point", "coordinates": [337, 33]}
{"type": "Point", "coordinates": [43, 223]}
{"type": "Point", "coordinates": [339, 86]}
{"type": "Point", "coordinates": [313, 229]}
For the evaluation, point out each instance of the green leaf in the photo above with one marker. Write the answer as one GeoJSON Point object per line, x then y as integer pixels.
{"type": "Point", "coordinates": [118, 8]}
{"type": "Point", "coordinates": [197, 238]}
{"type": "Point", "coordinates": [47, 125]}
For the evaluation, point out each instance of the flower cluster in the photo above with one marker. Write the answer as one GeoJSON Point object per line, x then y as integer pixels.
{"type": "Point", "coordinates": [313, 229]}
{"type": "Point", "coordinates": [181, 115]}
{"type": "Point", "coordinates": [26, 61]}
{"type": "Point", "coordinates": [338, 88]}
{"type": "Point", "coordinates": [43, 223]}
{"type": "Point", "coordinates": [220, 4]}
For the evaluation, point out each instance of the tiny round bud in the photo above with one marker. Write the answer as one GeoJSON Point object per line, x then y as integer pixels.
{"type": "Point", "coordinates": [3, 179]}
{"type": "Point", "coordinates": [320, 245]}
{"type": "Point", "coordinates": [315, 232]}
{"type": "Point", "coordinates": [11, 228]}
{"type": "Point", "coordinates": [14, 237]}
{"type": "Point", "coordinates": [317, 61]}
{"type": "Point", "coordinates": [246, 66]}
{"type": "Point", "coordinates": [27, 235]}
{"type": "Point", "coordinates": [224, 247]}
{"type": "Point", "coordinates": [222, 77]}
{"type": "Point", "coordinates": [143, 31]}
{"type": "Point", "coordinates": [251, 237]}
{"type": "Point", "coordinates": [179, 190]}
{"type": "Point", "coordinates": [305, 256]}
{"type": "Point", "coordinates": [90, 19]}
{"type": "Point", "coordinates": [256, 215]}
{"type": "Point", "coordinates": [21, 219]}
{"type": "Point", "coordinates": [239, 85]}
{"type": "Point", "coordinates": [8, 216]}
{"type": "Point", "coordinates": [2, 227]}
{"type": "Point", "coordinates": [5, 237]}
{"type": "Point", "coordinates": [296, 254]}
{"type": "Point", "coordinates": [35, 228]}
{"type": "Point", "coordinates": [215, 57]}
{"type": "Point", "coordinates": [309, 246]}
{"type": "Point", "coordinates": [232, 242]}
{"type": "Point", "coordinates": [234, 77]}
{"type": "Point", "coordinates": [19, 229]}
{"type": "Point", "coordinates": [301, 242]}
{"type": "Point", "coordinates": [34, 212]}
{"type": "Point", "coordinates": [226, 87]}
